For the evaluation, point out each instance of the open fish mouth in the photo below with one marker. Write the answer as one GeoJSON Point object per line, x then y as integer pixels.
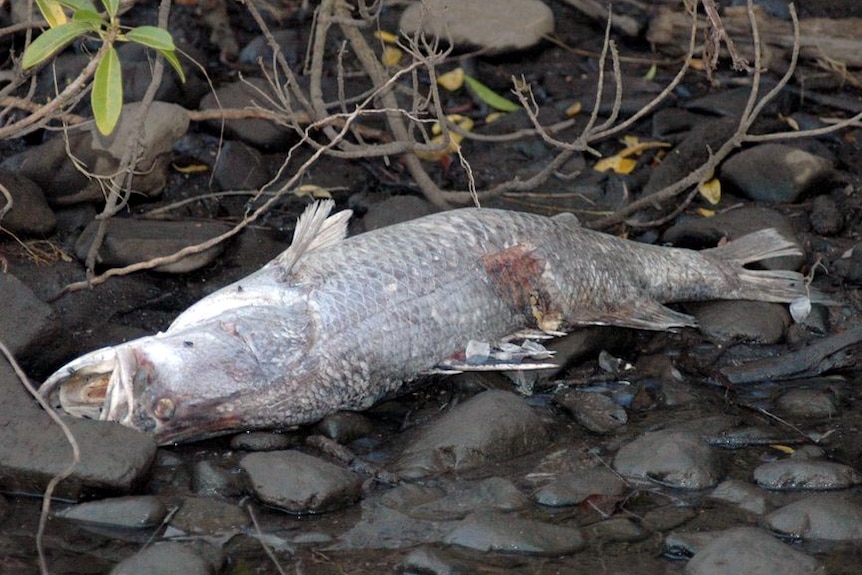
{"type": "Point", "coordinates": [98, 385]}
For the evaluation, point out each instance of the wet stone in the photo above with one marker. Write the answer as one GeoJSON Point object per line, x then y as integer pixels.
{"type": "Point", "coordinates": [744, 495]}
{"type": "Point", "coordinates": [751, 551]}
{"type": "Point", "coordinates": [134, 512]}
{"type": "Point", "coordinates": [594, 411]}
{"type": "Point", "coordinates": [674, 458]}
{"type": "Point", "coordinates": [27, 323]}
{"type": "Point", "coordinates": [240, 167]}
{"type": "Point", "coordinates": [667, 518]}
{"type": "Point", "coordinates": [30, 214]}
{"type": "Point", "coordinates": [728, 322]}
{"type": "Point", "coordinates": [262, 441]}
{"type": "Point", "coordinates": [806, 404]}
{"type": "Point", "coordinates": [512, 534]}
{"type": "Point", "coordinates": [163, 558]}
{"type": "Point", "coordinates": [775, 173]}
{"type": "Point", "coordinates": [208, 516]}
{"type": "Point", "coordinates": [430, 561]}
{"type": "Point", "coordinates": [790, 474]}
{"type": "Point", "coordinates": [492, 494]}
{"type": "Point", "coordinates": [300, 483]}
{"type": "Point", "coordinates": [616, 529]}
{"type": "Point", "coordinates": [497, 26]}
{"type": "Point", "coordinates": [408, 495]}
{"type": "Point", "coordinates": [344, 426]}
{"type": "Point", "coordinates": [824, 517]}
{"type": "Point", "coordinates": [209, 479]}
{"type": "Point", "coordinates": [573, 488]}
{"type": "Point", "coordinates": [454, 442]}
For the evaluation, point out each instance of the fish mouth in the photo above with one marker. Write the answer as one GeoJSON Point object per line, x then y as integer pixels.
{"type": "Point", "coordinates": [97, 385]}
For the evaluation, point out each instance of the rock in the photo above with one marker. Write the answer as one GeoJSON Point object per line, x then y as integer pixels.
{"type": "Point", "coordinates": [208, 516]}
{"type": "Point", "coordinates": [246, 93]}
{"type": "Point", "coordinates": [751, 551]}
{"type": "Point", "coordinates": [511, 534]}
{"type": "Point", "coordinates": [395, 210]}
{"type": "Point", "coordinates": [240, 167]}
{"type": "Point", "coordinates": [806, 474]}
{"type": "Point", "coordinates": [289, 40]}
{"type": "Point", "coordinates": [30, 214]}
{"type": "Point", "coordinates": [775, 173]}
{"type": "Point", "coordinates": [806, 404]}
{"type": "Point", "coordinates": [596, 412]}
{"type": "Point", "coordinates": [34, 449]}
{"type": "Point", "coordinates": [698, 233]}
{"type": "Point", "coordinates": [826, 216]}
{"type": "Point", "coordinates": [492, 494]}
{"type": "Point", "coordinates": [679, 459]}
{"type": "Point", "coordinates": [432, 561]}
{"type": "Point", "coordinates": [262, 441]}
{"type": "Point", "coordinates": [616, 529]}
{"type": "Point", "coordinates": [133, 512]}
{"type": "Point", "coordinates": [27, 323]}
{"type": "Point", "coordinates": [344, 426]}
{"type": "Point", "coordinates": [211, 480]}
{"type": "Point", "coordinates": [300, 483]}
{"type": "Point", "coordinates": [496, 26]}
{"type": "Point", "coordinates": [573, 488]}
{"type": "Point", "coordinates": [823, 517]}
{"type": "Point", "coordinates": [166, 558]}
{"type": "Point", "coordinates": [727, 322]}
{"type": "Point", "coordinates": [129, 241]}
{"type": "Point", "coordinates": [455, 442]}
{"type": "Point", "coordinates": [744, 495]}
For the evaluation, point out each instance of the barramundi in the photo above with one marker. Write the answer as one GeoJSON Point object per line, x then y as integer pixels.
{"type": "Point", "coordinates": [337, 323]}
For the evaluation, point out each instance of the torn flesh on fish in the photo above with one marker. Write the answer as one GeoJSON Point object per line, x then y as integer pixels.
{"type": "Point", "coordinates": [338, 323]}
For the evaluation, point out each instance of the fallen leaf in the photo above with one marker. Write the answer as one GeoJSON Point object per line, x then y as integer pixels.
{"type": "Point", "coordinates": [651, 73]}
{"type": "Point", "coordinates": [386, 37]}
{"type": "Point", "coordinates": [711, 190]}
{"type": "Point", "coordinates": [706, 213]}
{"type": "Point", "coordinates": [617, 163]}
{"type": "Point", "coordinates": [489, 96]}
{"type": "Point", "coordinates": [452, 80]}
{"type": "Point", "coordinates": [783, 448]}
{"type": "Point", "coordinates": [312, 191]}
{"type": "Point", "coordinates": [574, 110]}
{"type": "Point", "coordinates": [391, 56]}
{"type": "Point", "coordinates": [455, 139]}
{"type": "Point", "coordinates": [493, 117]}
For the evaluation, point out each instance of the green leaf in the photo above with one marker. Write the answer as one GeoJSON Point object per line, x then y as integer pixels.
{"type": "Point", "coordinates": [151, 37]}
{"type": "Point", "coordinates": [52, 12]}
{"type": "Point", "coordinates": [52, 41]}
{"type": "Point", "coordinates": [107, 95]}
{"type": "Point", "coordinates": [111, 7]}
{"type": "Point", "coordinates": [489, 96]}
{"type": "Point", "coordinates": [91, 17]}
{"type": "Point", "coordinates": [76, 5]}
{"type": "Point", "coordinates": [172, 59]}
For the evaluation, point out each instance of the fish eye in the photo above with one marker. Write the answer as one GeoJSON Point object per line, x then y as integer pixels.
{"type": "Point", "coordinates": [164, 408]}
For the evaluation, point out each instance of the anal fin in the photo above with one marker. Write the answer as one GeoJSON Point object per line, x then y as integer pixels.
{"type": "Point", "coordinates": [648, 314]}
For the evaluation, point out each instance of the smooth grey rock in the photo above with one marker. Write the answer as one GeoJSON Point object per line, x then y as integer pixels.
{"type": "Point", "coordinates": [751, 551]}
{"type": "Point", "coordinates": [30, 214]}
{"type": "Point", "coordinates": [432, 561]}
{"type": "Point", "coordinates": [208, 516]}
{"type": "Point", "coordinates": [166, 558]}
{"type": "Point", "coordinates": [290, 43]}
{"type": "Point", "coordinates": [409, 495]}
{"type": "Point", "coordinates": [824, 517]}
{"type": "Point", "coordinates": [596, 412]}
{"type": "Point", "coordinates": [492, 494]}
{"type": "Point", "coordinates": [249, 92]}
{"type": "Point", "coordinates": [496, 25]}
{"type": "Point", "coordinates": [509, 427]}
{"type": "Point", "coordinates": [790, 474]}
{"type": "Point", "coordinates": [129, 241]}
{"type": "Point", "coordinates": [27, 323]}
{"type": "Point", "coordinates": [300, 483]}
{"type": "Point", "coordinates": [573, 488]}
{"type": "Point", "coordinates": [806, 404]}
{"type": "Point", "coordinates": [345, 426]}
{"type": "Point", "coordinates": [240, 167]}
{"type": "Point", "coordinates": [511, 534]}
{"type": "Point", "coordinates": [209, 479]}
{"type": "Point", "coordinates": [744, 495]}
{"type": "Point", "coordinates": [774, 172]}
{"type": "Point", "coordinates": [616, 529]}
{"type": "Point", "coordinates": [262, 441]}
{"type": "Point", "coordinates": [134, 512]}
{"type": "Point", "coordinates": [677, 458]}
{"type": "Point", "coordinates": [728, 322]}
{"type": "Point", "coordinates": [395, 210]}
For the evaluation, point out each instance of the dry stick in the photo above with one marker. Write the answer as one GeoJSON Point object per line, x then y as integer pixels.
{"type": "Point", "coordinates": [8, 207]}
{"type": "Point", "coordinates": [73, 443]}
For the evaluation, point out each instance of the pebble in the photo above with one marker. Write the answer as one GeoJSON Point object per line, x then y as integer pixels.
{"type": "Point", "coordinates": [774, 173]}
{"type": "Point", "coordinates": [728, 322]}
{"type": "Point", "coordinates": [492, 494]}
{"type": "Point", "coordinates": [616, 529]}
{"type": "Point", "coordinates": [751, 551]}
{"type": "Point", "coordinates": [300, 483]}
{"type": "Point", "coordinates": [806, 404]}
{"type": "Point", "coordinates": [208, 516]}
{"type": "Point", "coordinates": [431, 561]}
{"type": "Point", "coordinates": [594, 411]}
{"type": "Point", "coordinates": [791, 474]}
{"type": "Point", "coordinates": [823, 517]}
{"type": "Point", "coordinates": [209, 479]}
{"type": "Point", "coordinates": [240, 167]}
{"type": "Point", "coordinates": [496, 26]}
{"type": "Point", "coordinates": [395, 210]}
{"type": "Point", "coordinates": [574, 487]}
{"type": "Point", "coordinates": [344, 426]}
{"type": "Point", "coordinates": [165, 558]}
{"type": "Point", "coordinates": [454, 442]}
{"type": "Point", "coordinates": [826, 216]}
{"type": "Point", "coordinates": [511, 534]}
{"type": "Point", "coordinates": [678, 459]}
{"type": "Point", "coordinates": [246, 93]}
{"type": "Point", "coordinates": [27, 323]}
{"type": "Point", "coordinates": [133, 512]}
{"type": "Point", "coordinates": [742, 494]}
{"type": "Point", "coordinates": [128, 241]}
{"type": "Point", "coordinates": [30, 214]}
{"type": "Point", "coordinates": [262, 441]}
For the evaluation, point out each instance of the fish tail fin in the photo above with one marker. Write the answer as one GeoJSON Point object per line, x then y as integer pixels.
{"type": "Point", "coordinates": [780, 286]}
{"type": "Point", "coordinates": [315, 229]}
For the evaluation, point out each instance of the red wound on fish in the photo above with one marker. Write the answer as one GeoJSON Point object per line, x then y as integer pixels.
{"type": "Point", "coordinates": [515, 273]}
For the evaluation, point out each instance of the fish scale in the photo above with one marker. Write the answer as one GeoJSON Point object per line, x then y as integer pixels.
{"type": "Point", "coordinates": [335, 323]}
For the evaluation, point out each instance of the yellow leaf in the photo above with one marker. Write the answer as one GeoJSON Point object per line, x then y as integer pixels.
{"type": "Point", "coordinates": [634, 147]}
{"type": "Point", "coordinates": [783, 448]}
{"type": "Point", "coordinates": [493, 117]}
{"type": "Point", "coordinates": [696, 64]}
{"type": "Point", "coordinates": [651, 73]}
{"type": "Point", "coordinates": [711, 191]}
{"type": "Point", "coordinates": [312, 191]}
{"type": "Point", "coordinates": [790, 121]}
{"type": "Point", "coordinates": [386, 37]}
{"type": "Point", "coordinates": [705, 212]}
{"type": "Point", "coordinates": [391, 56]}
{"type": "Point", "coordinates": [455, 139]}
{"type": "Point", "coordinates": [574, 110]}
{"type": "Point", "coordinates": [452, 80]}
{"type": "Point", "coordinates": [617, 163]}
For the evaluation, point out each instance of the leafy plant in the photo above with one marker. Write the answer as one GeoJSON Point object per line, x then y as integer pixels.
{"type": "Point", "coordinates": [106, 97]}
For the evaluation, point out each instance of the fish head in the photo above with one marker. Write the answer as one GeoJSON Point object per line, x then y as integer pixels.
{"type": "Point", "coordinates": [176, 387]}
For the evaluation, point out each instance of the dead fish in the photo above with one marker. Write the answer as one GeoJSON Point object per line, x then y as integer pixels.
{"type": "Point", "coordinates": [338, 323]}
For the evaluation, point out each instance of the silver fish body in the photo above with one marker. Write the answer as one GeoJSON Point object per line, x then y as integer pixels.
{"type": "Point", "coordinates": [335, 324]}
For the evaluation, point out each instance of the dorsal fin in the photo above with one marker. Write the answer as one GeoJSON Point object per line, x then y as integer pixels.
{"type": "Point", "coordinates": [315, 229]}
